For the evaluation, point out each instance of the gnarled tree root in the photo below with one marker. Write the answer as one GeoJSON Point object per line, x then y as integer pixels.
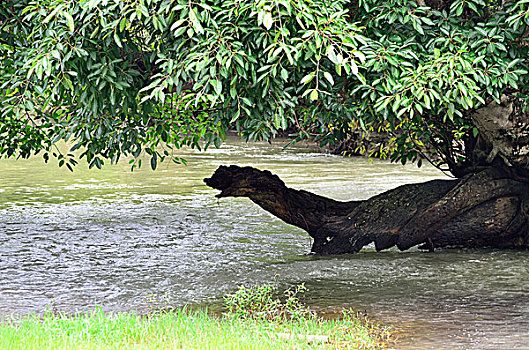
{"type": "Point", "coordinates": [486, 209]}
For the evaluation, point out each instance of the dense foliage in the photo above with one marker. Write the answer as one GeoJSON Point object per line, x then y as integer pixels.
{"type": "Point", "coordinates": [119, 78]}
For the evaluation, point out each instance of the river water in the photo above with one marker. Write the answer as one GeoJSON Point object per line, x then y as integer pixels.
{"type": "Point", "coordinates": [134, 240]}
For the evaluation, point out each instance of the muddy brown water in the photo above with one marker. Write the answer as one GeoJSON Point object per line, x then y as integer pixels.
{"type": "Point", "coordinates": [133, 240]}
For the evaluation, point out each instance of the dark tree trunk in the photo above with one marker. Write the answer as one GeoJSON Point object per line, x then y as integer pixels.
{"type": "Point", "coordinates": [487, 206]}
{"type": "Point", "coordinates": [487, 209]}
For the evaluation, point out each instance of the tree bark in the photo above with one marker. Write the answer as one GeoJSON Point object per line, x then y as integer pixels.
{"type": "Point", "coordinates": [486, 209]}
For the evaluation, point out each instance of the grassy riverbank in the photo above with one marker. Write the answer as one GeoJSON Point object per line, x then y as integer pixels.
{"type": "Point", "coordinates": [271, 324]}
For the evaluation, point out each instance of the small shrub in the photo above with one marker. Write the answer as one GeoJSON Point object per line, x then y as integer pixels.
{"type": "Point", "coordinates": [265, 302]}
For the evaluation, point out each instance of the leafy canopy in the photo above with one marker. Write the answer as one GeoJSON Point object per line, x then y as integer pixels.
{"type": "Point", "coordinates": [126, 77]}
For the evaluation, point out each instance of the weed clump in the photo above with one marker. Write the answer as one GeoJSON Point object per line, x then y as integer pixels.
{"type": "Point", "coordinates": [265, 302]}
{"type": "Point", "coordinates": [283, 315]}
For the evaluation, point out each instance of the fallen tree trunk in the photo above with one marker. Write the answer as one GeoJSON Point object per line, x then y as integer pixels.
{"type": "Point", "coordinates": [485, 209]}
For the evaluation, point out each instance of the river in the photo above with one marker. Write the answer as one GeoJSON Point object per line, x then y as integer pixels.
{"type": "Point", "coordinates": [127, 240]}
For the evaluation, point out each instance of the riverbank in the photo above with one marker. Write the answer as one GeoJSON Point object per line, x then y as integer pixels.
{"type": "Point", "coordinates": [186, 329]}
{"type": "Point", "coordinates": [256, 318]}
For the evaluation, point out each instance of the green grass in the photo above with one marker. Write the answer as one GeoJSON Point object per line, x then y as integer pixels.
{"type": "Point", "coordinates": [186, 329]}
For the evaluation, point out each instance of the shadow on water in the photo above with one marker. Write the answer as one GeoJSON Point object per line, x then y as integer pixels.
{"type": "Point", "coordinates": [121, 240]}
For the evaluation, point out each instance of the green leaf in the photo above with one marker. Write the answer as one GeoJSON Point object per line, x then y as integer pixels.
{"type": "Point", "coordinates": [117, 39]}
{"type": "Point", "coordinates": [122, 24]}
{"type": "Point", "coordinates": [307, 78]}
{"type": "Point", "coordinates": [427, 21]}
{"type": "Point", "coordinates": [67, 82]}
{"type": "Point", "coordinates": [144, 10]}
{"type": "Point", "coordinates": [217, 85]}
{"type": "Point", "coordinates": [354, 68]}
{"type": "Point", "coordinates": [328, 76]}
{"type": "Point", "coordinates": [52, 14]}
{"type": "Point", "coordinates": [69, 20]}
{"type": "Point", "coordinates": [277, 121]}
{"type": "Point", "coordinates": [267, 20]}
{"type": "Point", "coordinates": [235, 116]}
{"type": "Point", "coordinates": [179, 31]}
{"type": "Point", "coordinates": [284, 74]}
{"type": "Point", "coordinates": [178, 23]}
{"type": "Point", "coordinates": [195, 22]}
{"type": "Point", "coordinates": [332, 55]}
{"type": "Point", "coordinates": [93, 3]}
{"type": "Point", "coordinates": [154, 161]}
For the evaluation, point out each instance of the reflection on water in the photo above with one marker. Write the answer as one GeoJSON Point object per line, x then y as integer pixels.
{"type": "Point", "coordinates": [112, 238]}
